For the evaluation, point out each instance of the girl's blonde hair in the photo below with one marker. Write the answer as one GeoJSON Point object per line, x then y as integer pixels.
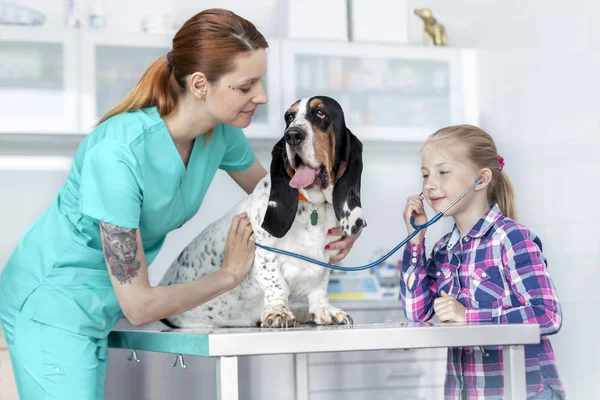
{"type": "Point", "coordinates": [480, 149]}
{"type": "Point", "coordinates": [209, 42]}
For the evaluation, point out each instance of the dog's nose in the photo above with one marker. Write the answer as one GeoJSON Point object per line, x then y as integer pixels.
{"type": "Point", "coordinates": [293, 137]}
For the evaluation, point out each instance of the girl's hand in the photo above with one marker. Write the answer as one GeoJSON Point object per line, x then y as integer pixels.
{"type": "Point", "coordinates": [414, 206]}
{"type": "Point", "coordinates": [448, 309]}
{"type": "Point", "coordinates": [239, 249]}
{"type": "Point", "coordinates": [344, 244]}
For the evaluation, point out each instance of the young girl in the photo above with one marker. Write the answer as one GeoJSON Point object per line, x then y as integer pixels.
{"type": "Point", "coordinates": [489, 268]}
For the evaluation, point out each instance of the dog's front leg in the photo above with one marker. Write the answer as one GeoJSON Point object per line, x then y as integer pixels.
{"type": "Point", "coordinates": [268, 274]}
{"type": "Point", "coordinates": [321, 311]}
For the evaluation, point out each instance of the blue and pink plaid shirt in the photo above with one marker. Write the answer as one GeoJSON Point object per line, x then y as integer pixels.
{"type": "Point", "coordinates": [500, 276]}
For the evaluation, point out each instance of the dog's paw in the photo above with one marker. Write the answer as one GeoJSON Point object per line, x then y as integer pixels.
{"type": "Point", "coordinates": [330, 316]}
{"type": "Point", "coordinates": [353, 220]}
{"type": "Point", "coordinates": [277, 317]}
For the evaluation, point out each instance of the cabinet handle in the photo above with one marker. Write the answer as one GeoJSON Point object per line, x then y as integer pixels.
{"type": "Point", "coordinates": [179, 358]}
{"type": "Point", "coordinates": [404, 374]}
{"type": "Point", "coordinates": [133, 355]}
{"type": "Point", "coordinates": [396, 350]}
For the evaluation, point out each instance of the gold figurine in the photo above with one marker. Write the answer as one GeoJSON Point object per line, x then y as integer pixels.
{"type": "Point", "coordinates": [433, 29]}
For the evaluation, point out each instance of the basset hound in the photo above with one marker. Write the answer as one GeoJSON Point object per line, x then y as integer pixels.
{"type": "Point", "coordinates": [313, 185]}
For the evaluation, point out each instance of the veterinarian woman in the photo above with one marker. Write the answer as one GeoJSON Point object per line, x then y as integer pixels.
{"type": "Point", "coordinates": [141, 173]}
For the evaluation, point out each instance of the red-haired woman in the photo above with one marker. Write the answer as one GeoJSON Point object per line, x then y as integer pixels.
{"type": "Point", "coordinates": [138, 175]}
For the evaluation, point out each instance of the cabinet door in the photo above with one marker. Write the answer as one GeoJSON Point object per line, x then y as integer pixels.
{"type": "Point", "coordinates": [111, 65]}
{"type": "Point", "coordinates": [38, 81]}
{"type": "Point", "coordinates": [387, 92]}
{"type": "Point", "coordinates": [267, 122]}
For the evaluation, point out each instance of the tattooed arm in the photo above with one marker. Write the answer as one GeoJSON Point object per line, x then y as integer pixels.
{"type": "Point", "coordinates": [142, 303]}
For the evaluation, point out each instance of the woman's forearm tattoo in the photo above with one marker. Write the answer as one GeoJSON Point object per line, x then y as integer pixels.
{"type": "Point", "coordinates": [121, 251]}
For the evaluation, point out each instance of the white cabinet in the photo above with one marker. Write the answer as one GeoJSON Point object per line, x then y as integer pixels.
{"type": "Point", "coordinates": [384, 374]}
{"type": "Point", "coordinates": [396, 93]}
{"type": "Point", "coordinates": [63, 82]}
{"type": "Point", "coordinates": [38, 81]}
{"type": "Point", "coordinates": [112, 64]}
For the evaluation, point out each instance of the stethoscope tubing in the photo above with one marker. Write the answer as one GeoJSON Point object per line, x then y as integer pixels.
{"type": "Point", "coordinates": [417, 228]}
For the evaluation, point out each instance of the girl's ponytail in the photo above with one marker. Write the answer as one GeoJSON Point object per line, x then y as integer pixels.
{"type": "Point", "coordinates": [503, 193]}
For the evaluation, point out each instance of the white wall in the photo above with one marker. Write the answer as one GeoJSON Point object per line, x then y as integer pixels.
{"type": "Point", "coordinates": [538, 91]}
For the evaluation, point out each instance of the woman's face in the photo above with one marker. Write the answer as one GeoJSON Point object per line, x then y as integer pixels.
{"type": "Point", "coordinates": [233, 99]}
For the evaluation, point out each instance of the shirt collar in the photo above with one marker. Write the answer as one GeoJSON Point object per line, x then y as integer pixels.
{"type": "Point", "coordinates": [482, 226]}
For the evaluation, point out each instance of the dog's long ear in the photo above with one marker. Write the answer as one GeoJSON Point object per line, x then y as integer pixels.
{"type": "Point", "coordinates": [346, 190]}
{"type": "Point", "coordinates": [283, 199]}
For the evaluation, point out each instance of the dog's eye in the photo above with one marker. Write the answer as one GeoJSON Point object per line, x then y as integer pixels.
{"type": "Point", "coordinates": [289, 118]}
{"type": "Point", "coordinates": [320, 114]}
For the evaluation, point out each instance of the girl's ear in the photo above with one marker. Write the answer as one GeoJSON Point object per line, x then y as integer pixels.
{"type": "Point", "coordinates": [485, 177]}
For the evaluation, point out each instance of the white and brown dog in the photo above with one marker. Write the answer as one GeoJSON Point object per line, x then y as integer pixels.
{"type": "Point", "coordinates": [313, 185]}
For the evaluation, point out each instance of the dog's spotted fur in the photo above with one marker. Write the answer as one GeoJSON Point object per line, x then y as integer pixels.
{"type": "Point", "coordinates": [280, 220]}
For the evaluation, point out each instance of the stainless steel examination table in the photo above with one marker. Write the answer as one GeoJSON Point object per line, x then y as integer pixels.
{"type": "Point", "coordinates": [226, 344]}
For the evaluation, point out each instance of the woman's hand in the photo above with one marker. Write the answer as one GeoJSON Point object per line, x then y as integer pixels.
{"type": "Point", "coordinates": [414, 206]}
{"type": "Point", "coordinates": [448, 309]}
{"type": "Point", "coordinates": [344, 245]}
{"type": "Point", "coordinates": [239, 249]}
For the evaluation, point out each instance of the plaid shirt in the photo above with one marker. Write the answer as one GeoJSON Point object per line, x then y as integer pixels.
{"type": "Point", "coordinates": [500, 276]}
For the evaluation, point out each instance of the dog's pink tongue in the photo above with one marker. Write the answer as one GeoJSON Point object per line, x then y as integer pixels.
{"type": "Point", "coordinates": [304, 176]}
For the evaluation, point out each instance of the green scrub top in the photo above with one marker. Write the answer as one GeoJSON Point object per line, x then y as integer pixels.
{"type": "Point", "coordinates": [127, 172]}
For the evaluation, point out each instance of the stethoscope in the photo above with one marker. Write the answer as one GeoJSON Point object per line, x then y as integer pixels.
{"type": "Point", "coordinates": [418, 228]}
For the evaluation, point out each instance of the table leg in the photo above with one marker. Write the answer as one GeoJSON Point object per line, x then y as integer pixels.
{"type": "Point", "coordinates": [301, 361]}
{"type": "Point", "coordinates": [227, 378]}
{"type": "Point", "coordinates": [515, 387]}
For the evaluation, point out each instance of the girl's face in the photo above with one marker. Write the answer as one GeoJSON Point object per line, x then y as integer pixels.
{"type": "Point", "coordinates": [233, 99]}
{"type": "Point", "coordinates": [447, 174]}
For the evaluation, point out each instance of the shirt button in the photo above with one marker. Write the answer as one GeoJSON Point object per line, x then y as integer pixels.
{"type": "Point", "coordinates": [57, 369]}
{"type": "Point", "coordinates": [438, 273]}
{"type": "Point", "coordinates": [414, 253]}
{"type": "Point", "coordinates": [483, 274]}
{"type": "Point", "coordinates": [414, 260]}
{"type": "Point", "coordinates": [466, 239]}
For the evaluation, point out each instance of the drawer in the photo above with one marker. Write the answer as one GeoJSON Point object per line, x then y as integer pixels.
{"type": "Point", "coordinates": [376, 375]}
{"type": "Point", "coordinates": [409, 394]}
{"type": "Point", "coordinates": [412, 355]}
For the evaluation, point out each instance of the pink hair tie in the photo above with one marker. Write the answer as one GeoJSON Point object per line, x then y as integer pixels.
{"type": "Point", "coordinates": [501, 162]}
